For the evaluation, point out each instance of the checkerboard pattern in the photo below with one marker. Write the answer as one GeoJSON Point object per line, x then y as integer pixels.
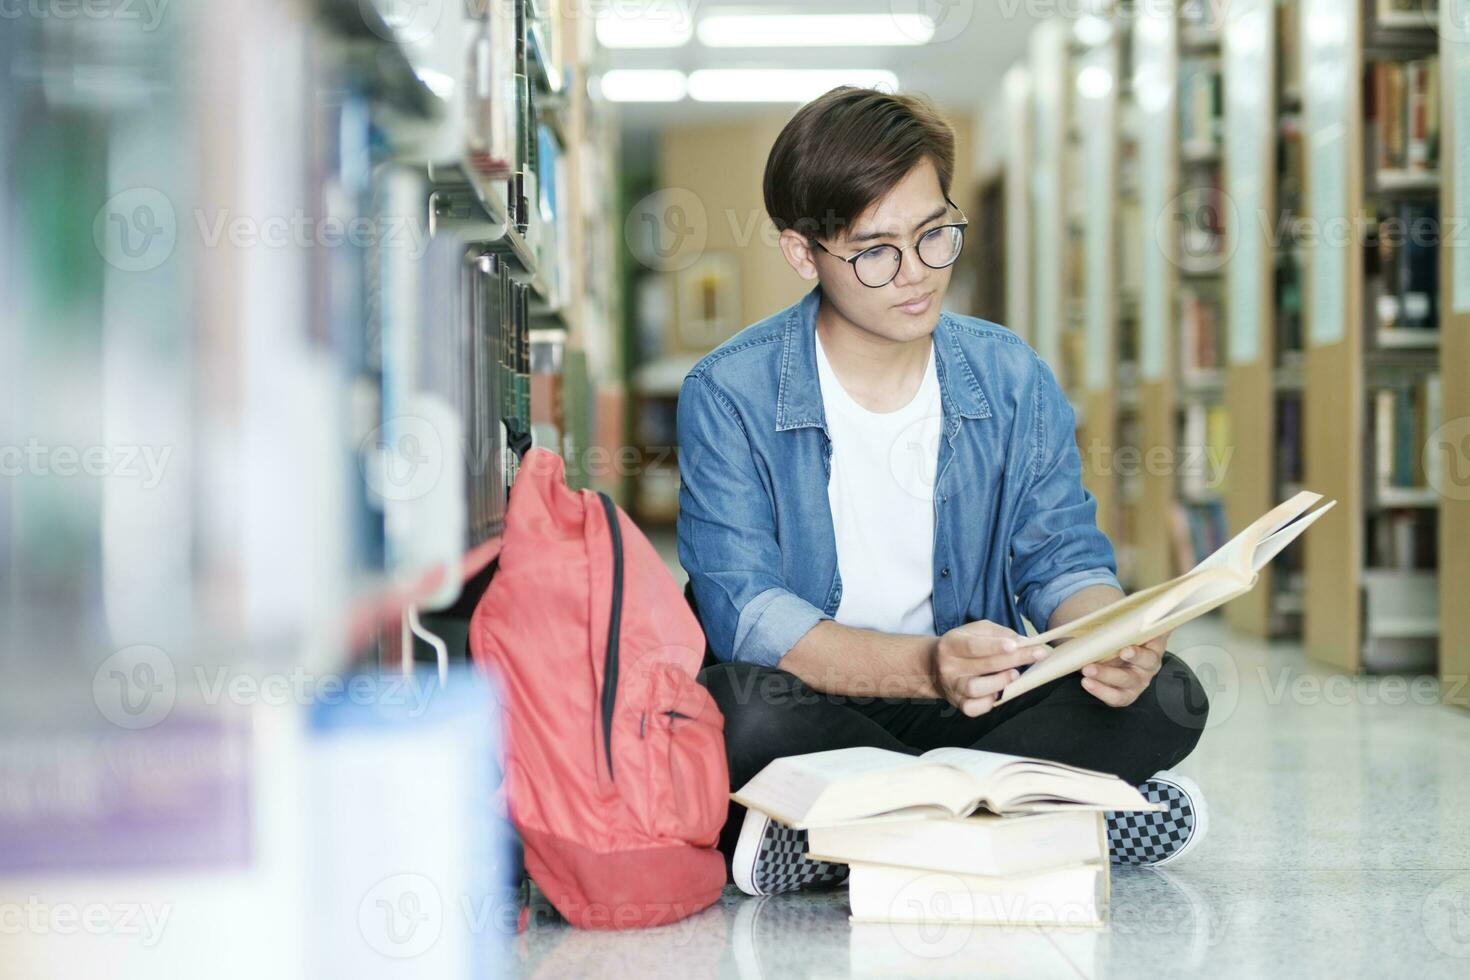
{"type": "Point", "coordinates": [781, 865]}
{"type": "Point", "coordinates": [1151, 836]}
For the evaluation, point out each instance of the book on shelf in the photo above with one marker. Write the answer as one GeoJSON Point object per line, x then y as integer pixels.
{"type": "Point", "coordinates": [1231, 571]}
{"type": "Point", "coordinates": [1404, 416]}
{"type": "Point", "coordinates": [1071, 896]}
{"type": "Point", "coordinates": [1201, 105]}
{"type": "Point", "coordinates": [1199, 326]}
{"type": "Point", "coordinates": [1403, 270]}
{"type": "Point", "coordinates": [1406, 14]}
{"type": "Point", "coordinates": [1402, 105]}
{"type": "Point", "coordinates": [841, 785]}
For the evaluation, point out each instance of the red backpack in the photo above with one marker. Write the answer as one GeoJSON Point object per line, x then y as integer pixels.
{"type": "Point", "coordinates": [615, 760]}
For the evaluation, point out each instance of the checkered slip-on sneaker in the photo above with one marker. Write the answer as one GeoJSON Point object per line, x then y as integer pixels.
{"type": "Point", "coordinates": [1155, 837]}
{"type": "Point", "coordinates": [770, 858]}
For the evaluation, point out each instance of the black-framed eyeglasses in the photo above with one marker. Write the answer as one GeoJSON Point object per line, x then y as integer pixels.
{"type": "Point", "coordinates": [938, 248]}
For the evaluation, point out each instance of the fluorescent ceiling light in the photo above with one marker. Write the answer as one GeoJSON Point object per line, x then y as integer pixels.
{"type": "Point", "coordinates": [780, 84]}
{"type": "Point", "coordinates": [732, 30]}
{"type": "Point", "coordinates": [658, 25]}
{"type": "Point", "coordinates": [643, 85]}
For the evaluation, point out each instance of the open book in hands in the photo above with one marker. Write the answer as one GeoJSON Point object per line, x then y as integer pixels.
{"type": "Point", "coordinates": [1230, 572]}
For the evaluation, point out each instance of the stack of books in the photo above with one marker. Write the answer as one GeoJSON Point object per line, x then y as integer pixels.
{"type": "Point", "coordinates": [954, 835]}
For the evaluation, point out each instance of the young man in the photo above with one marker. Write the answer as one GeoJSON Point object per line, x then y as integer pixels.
{"type": "Point", "coordinates": [875, 492]}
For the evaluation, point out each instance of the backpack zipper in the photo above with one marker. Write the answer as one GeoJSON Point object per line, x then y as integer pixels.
{"type": "Point", "coordinates": [614, 629]}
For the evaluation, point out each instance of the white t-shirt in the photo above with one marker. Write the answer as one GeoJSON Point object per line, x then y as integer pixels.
{"type": "Point", "coordinates": [881, 492]}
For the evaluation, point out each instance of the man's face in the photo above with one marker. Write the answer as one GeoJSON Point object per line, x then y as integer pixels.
{"type": "Point", "coordinates": [914, 206]}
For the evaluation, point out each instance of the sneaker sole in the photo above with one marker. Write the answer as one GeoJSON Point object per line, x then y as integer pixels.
{"type": "Point", "coordinates": [747, 850]}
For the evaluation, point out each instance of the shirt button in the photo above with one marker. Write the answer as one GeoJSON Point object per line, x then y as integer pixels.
{"type": "Point", "coordinates": [944, 572]}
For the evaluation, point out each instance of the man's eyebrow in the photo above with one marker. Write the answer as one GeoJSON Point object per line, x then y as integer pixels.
{"type": "Point", "coordinates": [870, 235]}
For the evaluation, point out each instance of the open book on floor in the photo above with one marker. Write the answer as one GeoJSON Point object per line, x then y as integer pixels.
{"type": "Point", "coordinates": [852, 784]}
{"type": "Point", "coordinates": [1230, 572]}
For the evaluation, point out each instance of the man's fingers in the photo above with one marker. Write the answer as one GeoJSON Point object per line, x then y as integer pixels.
{"type": "Point", "coordinates": [975, 707]}
{"type": "Point", "coordinates": [1111, 696]}
{"type": "Point", "coordinates": [1145, 658]}
{"type": "Point", "coordinates": [1122, 677]}
{"type": "Point", "coordinates": [984, 660]}
{"type": "Point", "coordinates": [977, 687]}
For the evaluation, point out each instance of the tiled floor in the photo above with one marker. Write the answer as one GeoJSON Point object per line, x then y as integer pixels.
{"type": "Point", "coordinates": [1339, 845]}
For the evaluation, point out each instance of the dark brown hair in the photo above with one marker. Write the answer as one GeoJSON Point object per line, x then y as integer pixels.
{"type": "Point", "coordinates": [844, 150]}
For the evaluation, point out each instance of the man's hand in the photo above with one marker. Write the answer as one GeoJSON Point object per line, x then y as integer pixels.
{"type": "Point", "coordinates": [972, 663]}
{"type": "Point", "coordinates": [1119, 682]}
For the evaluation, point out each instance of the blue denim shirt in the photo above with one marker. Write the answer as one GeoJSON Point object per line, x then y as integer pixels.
{"type": "Point", "coordinates": [1015, 532]}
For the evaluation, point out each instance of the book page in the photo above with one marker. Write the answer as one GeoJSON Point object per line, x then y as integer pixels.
{"type": "Point", "coordinates": [1279, 539]}
{"type": "Point", "coordinates": [1240, 553]}
{"type": "Point", "coordinates": [790, 787]}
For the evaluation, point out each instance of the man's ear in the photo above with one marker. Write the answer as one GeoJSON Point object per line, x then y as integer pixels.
{"type": "Point", "coordinates": [800, 253]}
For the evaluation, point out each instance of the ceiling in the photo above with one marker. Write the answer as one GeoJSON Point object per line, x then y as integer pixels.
{"type": "Point", "coordinates": [975, 42]}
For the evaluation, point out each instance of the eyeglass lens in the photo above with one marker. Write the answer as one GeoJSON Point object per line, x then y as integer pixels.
{"type": "Point", "coordinates": [937, 249]}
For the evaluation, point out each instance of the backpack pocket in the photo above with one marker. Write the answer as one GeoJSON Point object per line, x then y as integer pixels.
{"type": "Point", "coordinates": [669, 755]}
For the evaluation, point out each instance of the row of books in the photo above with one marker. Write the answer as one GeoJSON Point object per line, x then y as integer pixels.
{"type": "Point", "coordinates": [1406, 538]}
{"type": "Point", "coordinates": [476, 356]}
{"type": "Point", "coordinates": [1201, 104]}
{"type": "Point", "coordinates": [1404, 417]}
{"type": "Point", "coordinates": [955, 836]}
{"type": "Point", "coordinates": [1290, 468]}
{"type": "Point", "coordinates": [1199, 333]}
{"type": "Point", "coordinates": [1401, 103]}
{"type": "Point", "coordinates": [1402, 269]}
{"type": "Point", "coordinates": [1199, 531]}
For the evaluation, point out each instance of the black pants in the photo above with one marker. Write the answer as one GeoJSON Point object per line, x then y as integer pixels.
{"type": "Point", "coordinates": [770, 713]}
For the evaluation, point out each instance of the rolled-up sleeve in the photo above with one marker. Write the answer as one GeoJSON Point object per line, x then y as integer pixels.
{"type": "Point", "coordinates": [1056, 546]}
{"type": "Point", "coordinates": [727, 535]}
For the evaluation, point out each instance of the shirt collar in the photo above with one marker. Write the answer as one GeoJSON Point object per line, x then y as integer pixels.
{"type": "Point", "coordinates": [799, 397]}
